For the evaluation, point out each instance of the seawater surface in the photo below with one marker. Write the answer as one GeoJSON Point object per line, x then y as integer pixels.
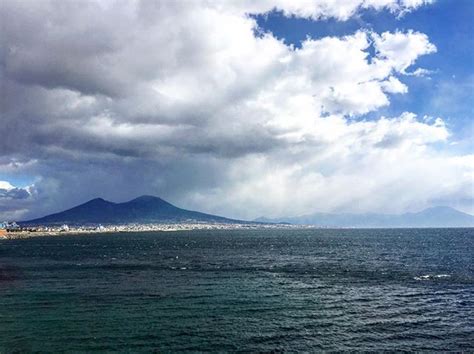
{"type": "Point", "coordinates": [258, 290]}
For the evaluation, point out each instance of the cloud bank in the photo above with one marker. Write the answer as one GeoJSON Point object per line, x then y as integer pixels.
{"type": "Point", "coordinates": [192, 101]}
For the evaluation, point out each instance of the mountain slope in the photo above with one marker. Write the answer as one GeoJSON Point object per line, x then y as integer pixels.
{"type": "Point", "coordinates": [144, 209]}
{"type": "Point", "coordinates": [432, 217]}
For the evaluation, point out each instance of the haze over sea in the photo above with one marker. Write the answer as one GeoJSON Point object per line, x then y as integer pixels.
{"type": "Point", "coordinates": [259, 290]}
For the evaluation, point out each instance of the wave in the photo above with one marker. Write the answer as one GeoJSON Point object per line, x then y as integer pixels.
{"type": "Point", "coordinates": [432, 276]}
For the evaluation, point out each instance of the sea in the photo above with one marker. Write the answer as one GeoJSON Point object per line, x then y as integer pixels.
{"type": "Point", "coordinates": [239, 291]}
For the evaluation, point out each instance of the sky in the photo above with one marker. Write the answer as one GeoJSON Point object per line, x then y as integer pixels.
{"type": "Point", "coordinates": [237, 108]}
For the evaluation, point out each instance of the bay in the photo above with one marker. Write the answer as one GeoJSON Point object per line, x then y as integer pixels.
{"type": "Point", "coordinates": [234, 290]}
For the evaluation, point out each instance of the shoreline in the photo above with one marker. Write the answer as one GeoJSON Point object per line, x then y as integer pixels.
{"type": "Point", "coordinates": [13, 235]}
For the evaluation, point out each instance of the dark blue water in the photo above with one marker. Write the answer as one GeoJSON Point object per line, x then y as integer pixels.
{"type": "Point", "coordinates": [305, 290]}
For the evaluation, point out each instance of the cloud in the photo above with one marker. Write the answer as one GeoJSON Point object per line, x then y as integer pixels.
{"type": "Point", "coordinates": [183, 100]}
{"type": "Point", "coordinates": [8, 191]}
{"type": "Point", "coordinates": [13, 200]}
{"type": "Point", "coordinates": [400, 50]}
{"type": "Point", "coordinates": [6, 186]}
{"type": "Point", "coordinates": [14, 193]}
{"type": "Point", "coordinates": [420, 72]}
{"type": "Point", "coordinates": [364, 166]}
{"type": "Point", "coordinates": [320, 9]}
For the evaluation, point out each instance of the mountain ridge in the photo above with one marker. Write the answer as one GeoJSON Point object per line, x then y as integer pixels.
{"type": "Point", "coordinates": [439, 216]}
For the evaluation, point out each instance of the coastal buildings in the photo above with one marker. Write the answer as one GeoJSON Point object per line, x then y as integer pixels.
{"type": "Point", "coordinates": [95, 229]}
{"type": "Point", "coordinates": [8, 227]}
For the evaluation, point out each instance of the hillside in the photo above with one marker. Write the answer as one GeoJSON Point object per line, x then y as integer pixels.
{"type": "Point", "coordinates": [431, 217]}
{"type": "Point", "coordinates": [143, 210]}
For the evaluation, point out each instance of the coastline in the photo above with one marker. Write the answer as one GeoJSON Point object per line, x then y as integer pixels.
{"type": "Point", "coordinates": [12, 235]}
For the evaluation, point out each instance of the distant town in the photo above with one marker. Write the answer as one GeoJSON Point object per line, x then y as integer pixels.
{"type": "Point", "coordinates": [11, 230]}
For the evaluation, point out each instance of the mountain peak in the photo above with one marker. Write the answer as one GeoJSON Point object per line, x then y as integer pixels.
{"type": "Point", "coordinates": [148, 199]}
{"type": "Point", "coordinates": [442, 210]}
{"type": "Point", "coordinates": [97, 201]}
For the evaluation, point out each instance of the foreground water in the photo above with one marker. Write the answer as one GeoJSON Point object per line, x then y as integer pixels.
{"type": "Point", "coordinates": [300, 290]}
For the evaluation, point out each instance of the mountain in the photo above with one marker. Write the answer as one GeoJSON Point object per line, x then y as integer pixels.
{"type": "Point", "coordinates": [431, 217]}
{"type": "Point", "coordinates": [142, 210]}
{"type": "Point", "coordinates": [149, 209]}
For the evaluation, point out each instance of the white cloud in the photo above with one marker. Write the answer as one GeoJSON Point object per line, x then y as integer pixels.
{"type": "Point", "coordinates": [400, 50]}
{"type": "Point", "coordinates": [317, 9]}
{"type": "Point", "coordinates": [420, 72]}
{"type": "Point", "coordinates": [359, 167]}
{"type": "Point", "coordinates": [393, 85]}
{"type": "Point", "coordinates": [6, 185]}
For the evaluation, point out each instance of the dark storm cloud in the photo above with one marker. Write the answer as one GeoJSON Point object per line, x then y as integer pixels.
{"type": "Point", "coordinates": [14, 201]}
{"type": "Point", "coordinates": [69, 182]}
{"type": "Point", "coordinates": [59, 45]}
{"type": "Point", "coordinates": [15, 193]}
{"type": "Point", "coordinates": [64, 64]}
